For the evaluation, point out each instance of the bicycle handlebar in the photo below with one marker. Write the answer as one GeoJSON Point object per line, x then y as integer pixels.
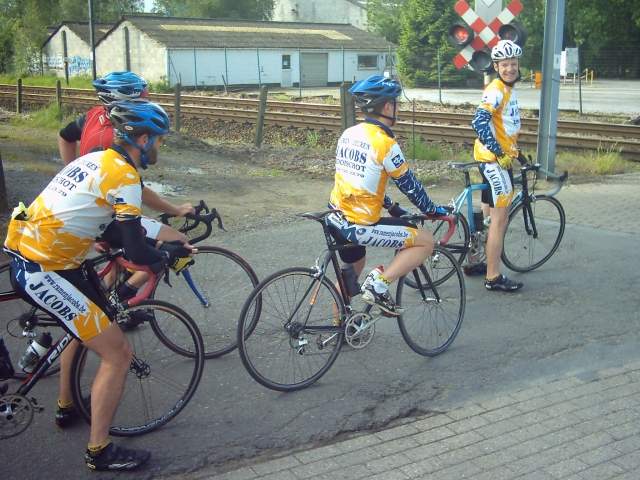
{"type": "Point", "coordinates": [558, 180]}
{"type": "Point", "coordinates": [207, 218]}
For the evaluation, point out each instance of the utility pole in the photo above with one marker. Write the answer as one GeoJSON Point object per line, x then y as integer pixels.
{"type": "Point", "coordinates": [92, 39]}
{"type": "Point", "coordinates": [549, 98]}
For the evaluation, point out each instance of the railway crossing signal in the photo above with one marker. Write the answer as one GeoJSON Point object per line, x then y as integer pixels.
{"type": "Point", "coordinates": [477, 35]}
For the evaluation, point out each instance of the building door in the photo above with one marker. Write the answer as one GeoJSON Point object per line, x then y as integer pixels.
{"type": "Point", "coordinates": [314, 69]}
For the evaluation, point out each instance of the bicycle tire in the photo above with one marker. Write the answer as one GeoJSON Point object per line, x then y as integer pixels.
{"type": "Point", "coordinates": [305, 345]}
{"type": "Point", "coordinates": [12, 311]}
{"type": "Point", "coordinates": [429, 326]}
{"type": "Point", "coordinates": [458, 245]}
{"type": "Point", "coordinates": [225, 280]}
{"type": "Point", "coordinates": [179, 374]}
{"type": "Point", "coordinates": [522, 252]}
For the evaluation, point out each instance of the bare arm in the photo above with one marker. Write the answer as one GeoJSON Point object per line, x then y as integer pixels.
{"type": "Point", "coordinates": [68, 150]}
{"type": "Point", "coordinates": [154, 201]}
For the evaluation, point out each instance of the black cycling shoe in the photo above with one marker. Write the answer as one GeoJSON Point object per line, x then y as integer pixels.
{"type": "Point", "coordinates": [475, 269]}
{"type": "Point", "coordinates": [135, 318]}
{"type": "Point", "coordinates": [503, 284]}
{"type": "Point", "coordinates": [113, 457]}
{"type": "Point", "coordinates": [382, 300]}
{"type": "Point", "coordinates": [65, 417]}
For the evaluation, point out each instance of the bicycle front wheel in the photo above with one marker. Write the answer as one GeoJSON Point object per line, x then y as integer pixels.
{"type": "Point", "coordinates": [213, 290]}
{"type": "Point", "coordinates": [533, 234]}
{"type": "Point", "coordinates": [298, 334]}
{"type": "Point", "coordinates": [160, 382]}
{"type": "Point", "coordinates": [433, 311]}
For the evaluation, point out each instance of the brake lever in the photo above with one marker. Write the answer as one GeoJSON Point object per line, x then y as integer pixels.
{"type": "Point", "coordinates": [216, 216]}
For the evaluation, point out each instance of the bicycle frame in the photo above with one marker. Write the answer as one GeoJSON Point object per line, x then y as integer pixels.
{"type": "Point", "coordinates": [56, 349]}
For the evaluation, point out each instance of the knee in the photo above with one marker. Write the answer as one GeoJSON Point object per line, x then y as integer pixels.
{"type": "Point", "coordinates": [120, 356]}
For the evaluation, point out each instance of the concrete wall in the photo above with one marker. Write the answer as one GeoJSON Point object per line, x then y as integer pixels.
{"type": "Point", "coordinates": [78, 54]}
{"type": "Point", "coordinates": [206, 67]}
{"type": "Point", "coordinates": [335, 11]}
{"type": "Point", "coordinates": [148, 58]}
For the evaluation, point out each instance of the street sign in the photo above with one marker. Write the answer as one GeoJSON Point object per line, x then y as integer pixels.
{"type": "Point", "coordinates": [487, 32]}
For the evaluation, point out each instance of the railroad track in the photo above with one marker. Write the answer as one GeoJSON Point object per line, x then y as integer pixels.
{"type": "Point", "coordinates": [443, 126]}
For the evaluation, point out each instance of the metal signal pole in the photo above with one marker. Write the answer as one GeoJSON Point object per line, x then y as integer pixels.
{"type": "Point", "coordinates": [93, 39]}
{"type": "Point", "coordinates": [549, 98]}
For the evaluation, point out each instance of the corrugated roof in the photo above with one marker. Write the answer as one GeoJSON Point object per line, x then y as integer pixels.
{"type": "Point", "coordinates": [82, 30]}
{"type": "Point", "coordinates": [211, 33]}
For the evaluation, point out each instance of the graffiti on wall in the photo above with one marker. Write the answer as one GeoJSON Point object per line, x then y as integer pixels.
{"type": "Point", "coordinates": [77, 65]}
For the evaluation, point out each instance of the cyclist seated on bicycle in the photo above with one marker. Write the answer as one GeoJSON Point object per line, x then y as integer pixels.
{"type": "Point", "coordinates": [497, 123]}
{"type": "Point", "coordinates": [49, 241]}
{"type": "Point", "coordinates": [93, 131]}
{"type": "Point", "coordinates": [368, 155]}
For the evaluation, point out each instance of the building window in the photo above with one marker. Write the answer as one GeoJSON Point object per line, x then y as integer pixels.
{"type": "Point", "coordinates": [286, 62]}
{"type": "Point", "coordinates": [367, 62]}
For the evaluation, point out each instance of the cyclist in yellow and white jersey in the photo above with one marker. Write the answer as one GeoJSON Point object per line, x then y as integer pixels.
{"type": "Point", "coordinates": [49, 240]}
{"type": "Point", "coordinates": [497, 123]}
{"type": "Point", "coordinates": [367, 156]}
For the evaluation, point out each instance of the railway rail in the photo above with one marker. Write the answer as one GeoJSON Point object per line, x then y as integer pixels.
{"type": "Point", "coordinates": [447, 127]}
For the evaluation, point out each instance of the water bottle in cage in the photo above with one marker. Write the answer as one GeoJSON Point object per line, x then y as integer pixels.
{"type": "Point", "coordinates": [350, 279]}
{"type": "Point", "coordinates": [36, 349]}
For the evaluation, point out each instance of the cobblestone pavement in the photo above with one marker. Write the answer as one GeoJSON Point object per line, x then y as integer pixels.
{"type": "Point", "coordinates": [579, 427]}
{"type": "Point", "coordinates": [573, 429]}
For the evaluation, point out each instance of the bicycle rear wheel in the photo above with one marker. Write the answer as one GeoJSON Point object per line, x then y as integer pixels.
{"type": "Point", "coordinates": [458, 245]}
{"type": "Point", "coordinates": [213, 290]}
{"type": "Point", "coordinates": [525, 247]}
{"type": "Point", "coordinates": [16, 317]}
{"type": "Point", "coordinates": [298, 334]}
{"type": "Point", "coordinates": [434, 312]}
{"type": "Point", "coordinates": [160, 382]}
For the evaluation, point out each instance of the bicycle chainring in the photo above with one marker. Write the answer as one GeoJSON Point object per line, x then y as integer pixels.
{"type": "Point", "coordinates": [16, 414]}
{"type": "Point", "coordinates": [359, 330]}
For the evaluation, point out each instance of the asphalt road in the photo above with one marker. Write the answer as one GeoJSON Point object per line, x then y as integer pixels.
{"type": "Point", "coordinates": [579, 311]}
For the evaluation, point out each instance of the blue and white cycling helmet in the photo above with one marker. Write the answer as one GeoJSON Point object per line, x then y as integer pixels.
{"type": "Point", "coordinates": [374, 91]}
{"type": "Point", "coordinates": [133, 118]}
{"type": "Point", "coordinates": [119, 86]}
{"type": "Point", "coordinates": [505, 49]}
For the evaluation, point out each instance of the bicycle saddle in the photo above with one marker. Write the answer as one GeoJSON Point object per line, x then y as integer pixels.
{"type": "Point", "coordinates": [463, 166]}
{"type": "Point", "coordinates": [318, 216]}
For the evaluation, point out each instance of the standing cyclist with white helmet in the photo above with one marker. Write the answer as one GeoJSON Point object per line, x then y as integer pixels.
{"type": "Point", "coordinates": [49, 241]}
{"type": "Point", "coordinates": [368, 155]}
{"type": "Point", "coordinates": [497, 123]}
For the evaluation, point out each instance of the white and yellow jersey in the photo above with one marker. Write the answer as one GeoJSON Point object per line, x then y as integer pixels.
{"type": "Point", "coordinates": [75, 208]}
{"type": "Point", "coordinates": [500, 101]}
{"type": "Point", "coordinates": [366, 157]}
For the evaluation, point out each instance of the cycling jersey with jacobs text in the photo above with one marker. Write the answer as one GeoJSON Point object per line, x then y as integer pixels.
{"type": "Point", "coordinates": [367, 155]}
{"type": "Point", "coordinates": [497, 123]}
{"type": "Point", "coordinates": [63, 222]}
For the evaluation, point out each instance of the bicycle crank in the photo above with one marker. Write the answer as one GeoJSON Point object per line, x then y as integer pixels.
{"type": "Point", "coordinates": [16, 414]}
{"type": "Point", "coordinates": [359, 330]}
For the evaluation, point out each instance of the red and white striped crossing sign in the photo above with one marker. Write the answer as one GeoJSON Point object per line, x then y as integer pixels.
{"type": "Point", "coordinates": [486, 34]}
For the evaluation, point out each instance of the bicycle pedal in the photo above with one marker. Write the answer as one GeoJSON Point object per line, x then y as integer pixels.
{"type": "Point", "coordinates": [34, 404]}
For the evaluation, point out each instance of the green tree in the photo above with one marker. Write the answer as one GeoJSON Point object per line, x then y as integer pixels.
{"type": "Point", "coordinates": [425, 26]}
{"type": "Point", "coordinates": [245, 9]}
{"type": "Point", "coordinates": [383, 17]}
{"type": "Point", "coordinates": [104, 11]}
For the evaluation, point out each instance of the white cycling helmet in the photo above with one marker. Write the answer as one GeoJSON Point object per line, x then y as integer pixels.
{"type": "Point", "coordinates": [505, 49]}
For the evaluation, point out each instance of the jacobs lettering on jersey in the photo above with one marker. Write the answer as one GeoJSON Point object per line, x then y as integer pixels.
{"type": "Point", "coordinates": [381, 242]}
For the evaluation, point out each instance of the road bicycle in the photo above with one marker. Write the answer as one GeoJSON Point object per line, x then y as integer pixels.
{"type": "Point", "coordinates": [214, 286]}
{"type": "Point", "coordinates": [535, 227]}
{"type": "Point", "coordinates": [304, 319]}
{"type": "Point", "coordinates": [161, 378]}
